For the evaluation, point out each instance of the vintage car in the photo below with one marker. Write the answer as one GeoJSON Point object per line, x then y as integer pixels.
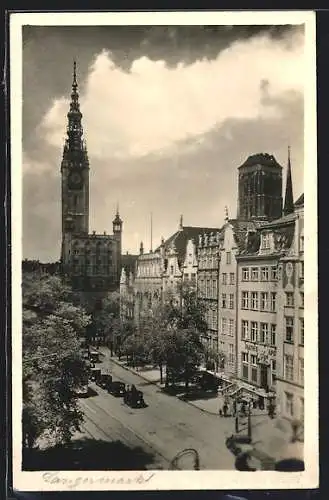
{"type": "Point", "coordinates": [134, 398]}
{"type": "Point", "coordinates": [95, 374]}
{"type": "Point", "coordinates": [104, 380]}
{"type": "Point", "coordinates": [94, 356]}
{"type": "Point", "coordinates": [117, 388]}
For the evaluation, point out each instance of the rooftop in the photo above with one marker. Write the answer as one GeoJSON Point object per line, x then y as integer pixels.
{"type": "Point", "coordinates": [264, 159]}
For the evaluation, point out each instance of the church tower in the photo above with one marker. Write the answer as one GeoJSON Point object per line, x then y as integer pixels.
{"type": "Point", "coordinates": [75, 176]}
{"type": "Point", "coordinates": [289, 197]}
{"type": "Point", "coordinates": [260, 188]}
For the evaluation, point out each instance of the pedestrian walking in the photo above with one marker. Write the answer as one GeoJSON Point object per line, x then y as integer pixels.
{"type": "Point", "coordinates": [225, 408]}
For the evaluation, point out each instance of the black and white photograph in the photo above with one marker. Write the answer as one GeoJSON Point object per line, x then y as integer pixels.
{"type": "Point", "coordinates": [160, 163]}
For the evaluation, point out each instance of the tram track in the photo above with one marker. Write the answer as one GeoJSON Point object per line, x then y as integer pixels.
{"type": "Point", "coordinates": [120, 434]}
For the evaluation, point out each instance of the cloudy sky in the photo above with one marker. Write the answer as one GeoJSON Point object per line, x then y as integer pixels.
{"type": "Point", "coordinates": [169, 114]}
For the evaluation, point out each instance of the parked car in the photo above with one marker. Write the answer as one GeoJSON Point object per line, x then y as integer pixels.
{"type": "Point", "coordinates": [238, 444]}
{"type": "Point", "coordinates": [117, 388]}
{"type": "Point", "coordinates": [105, 380]}
{"type": "Point", "coordinates": [95, 374]}
{"type": "Point", "coordinates": [134, 398]}
{"type": "Point", "coordinates": [94, 356]}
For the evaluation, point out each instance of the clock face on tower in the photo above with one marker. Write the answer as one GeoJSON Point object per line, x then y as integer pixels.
{"type": "Point", "coordinates": [75, 180]}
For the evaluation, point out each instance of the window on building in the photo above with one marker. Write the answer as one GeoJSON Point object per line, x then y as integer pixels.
{"type": "Point", "coordinates": [273, 301]}
{"type": "Point", "coordinates": [289, 367]}
{"type": "Point", "coordinates": [231, 301]}
{"type": "Point", "coordinates": [224, 278]}
{"type": "Point", "coordinates": [254, 273]}
{"type": "Point", "coordinates": [231, 354]}
{"type": "Point", "coordinates": [245, 274]}
{"type": "Point", "coordinates": [264, 273]}
{"type": "Point", "coordinates": [244, 329]}
{"type": "Point", "coordinates": [222, 346]}
{"type": "Point", "coordinates": [301, 243]}
{"type": "Point", "coordinates": [224, 301]}
{"type": "Point", "coordinates": [214, 289]}
{"type": "Point", "coordinates": [208, 289]}
{"type": "Point", "coordinates": [185, 277]}
{"type": "Point", "coordinates": [253, 359]}
{"type": "Point", "coordinates": [274, 273]}
{"type": "Point", "coordinates": [302, 300]}
{"type": "Point", "coordinates": [289, 329]}
{"type": "Point", "coordinates": [193, 277]}
{"type": "Point", "coordinates": [289, 299]}
{"type": "Point", "coordinates": [254, 301]}
{"type": "Point", "coordinates": [254, 331]}
{"type": "Point", "coordinates": [289, 406]}
{"type": "Point", "coordinates": [264, 301]}
{"type": "Point", "coordinates": [245, 357]}
{"type": "Point", "coordinates": [232, 278]}
{"type": "Point", "coordinates": [263, 333]}
{"type": "Point", "coordinates": [231, 327]}
{"type": "Point", "coordinates": [273, 334]}
{"type": "Point", "coordinates": [228, 257]}
{"type": "Point", "coordinates": [254, 373]}
{"type": "Point", "coordinates": [245, 300]}
{"type": "Point", "coordinates": [301, 270]}
{"type": "Point", "coordinates": [265, 241]}
{"type": "Point", "coordinates": [224, 325]}
{"type": "Point", "coordinates": [171, 269]}
{"type": "Point", "coordinates": [301, 370]}
{"type": "Point", "coordinates": [301, 331]}
{"type": "Point", "coordinates": [245, 371]}
{"type": "Point", "coordinates": [301, 412]}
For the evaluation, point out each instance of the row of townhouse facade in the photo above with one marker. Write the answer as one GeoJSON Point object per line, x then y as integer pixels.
{"type": "Point", "coordinates": [249, 277]}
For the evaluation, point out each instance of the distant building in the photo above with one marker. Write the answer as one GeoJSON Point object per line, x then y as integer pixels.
{"type": "Point", "coordinates": [92, 261]}
{"type": "Point", "coordinates": [127, 301]}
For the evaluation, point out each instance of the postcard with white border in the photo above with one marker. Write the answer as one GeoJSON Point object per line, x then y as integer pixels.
{"type": "Point", "coordinates": [164, 269]}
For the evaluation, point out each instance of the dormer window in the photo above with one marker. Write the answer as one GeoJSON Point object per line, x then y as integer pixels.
{"type": "Point", "coordinates": [266, 241]}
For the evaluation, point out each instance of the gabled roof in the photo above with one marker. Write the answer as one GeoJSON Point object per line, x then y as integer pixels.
{"type": "Point", "coordinates": [241, 229]}
{"type": "Point", "coordinates": [283, 221]}
{"type": "Point", "coordinates": [181, 237]}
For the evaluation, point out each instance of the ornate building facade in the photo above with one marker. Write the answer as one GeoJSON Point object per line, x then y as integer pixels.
{"type": "Point", "coordinates": [208, 252]}
{"type": "Point", "coordinates": [290, 350]}
{"type": "Point", "coordinates": [92, 261]}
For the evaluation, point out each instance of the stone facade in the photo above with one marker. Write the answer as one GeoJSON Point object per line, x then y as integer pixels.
{"type": "Point", "coordinates": [290, 356]}
{"type": "Point", "coordinates": [207, 290]}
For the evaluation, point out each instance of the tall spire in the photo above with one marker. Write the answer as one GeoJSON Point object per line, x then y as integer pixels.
{"type": "Point", "coordinates": [74, 128]}
{"type": "Point", "coordinates": [151, 224]}
{"type": "Point", "coordinates": [289, 198]}
{"type": "Point", "coordinates": [226, 214]}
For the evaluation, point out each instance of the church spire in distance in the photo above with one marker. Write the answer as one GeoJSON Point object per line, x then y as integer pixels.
{"type": "Point", "coordinates": [289, 198]}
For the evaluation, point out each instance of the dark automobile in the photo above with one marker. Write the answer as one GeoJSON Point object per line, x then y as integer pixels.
{"type": "Point", "coordinates": [134, 398]}
{"type": "Point", "coordinates": [105, 380]}
{"type": "Point", "coordinates": [94, 356]}
{"type": "Point", "coordinates": [95, 374]}
{"type": "Point", "coordinates": [117, 388]}
{"type": "Point", "coordinates": [238, 444]}
{"type": "Point", "coordinates": [206, 381]}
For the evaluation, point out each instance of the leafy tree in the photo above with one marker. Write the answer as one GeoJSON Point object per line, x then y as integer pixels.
{"type": "Point", "coordinates": [52, 364]}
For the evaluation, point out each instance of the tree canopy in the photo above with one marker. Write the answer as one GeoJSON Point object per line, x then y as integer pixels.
{"type": "Point", "coordinates": [52, 363]}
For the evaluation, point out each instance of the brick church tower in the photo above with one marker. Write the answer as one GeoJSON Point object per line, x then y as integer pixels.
{"type": "Point", "coordinates": [260, 188]}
